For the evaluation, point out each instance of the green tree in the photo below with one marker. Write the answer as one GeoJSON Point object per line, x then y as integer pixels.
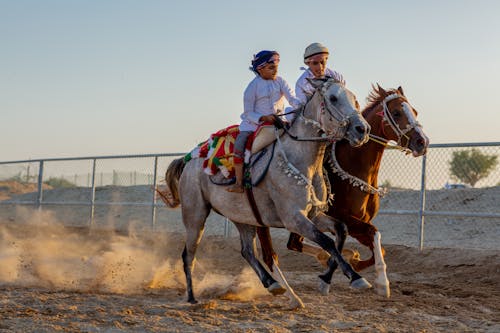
{"type": "Point", "coordinates": [470, 166]}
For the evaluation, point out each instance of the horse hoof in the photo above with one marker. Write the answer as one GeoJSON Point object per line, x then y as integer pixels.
{"type": "Point", "coordinates": [324, 288]}
{"type": "Point", "coordinates": [276, 289]}
{"type": "Point", "coordinates": [296, 303]}
{"type": "Point", "coordinates": [360, 284]}
{"type": "Point", "coordinates": [383, 290]}
{"type": "Point", "coordinates": [193, 301]}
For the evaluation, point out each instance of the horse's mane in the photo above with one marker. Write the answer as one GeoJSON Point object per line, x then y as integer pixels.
{"type": "Point", "coordinates": [375, 97]}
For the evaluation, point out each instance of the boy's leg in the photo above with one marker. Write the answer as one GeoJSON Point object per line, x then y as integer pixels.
{"type": "Point", "coordinates": [238, 186]}
{"type": "Point", "coordinates": [239, 153]}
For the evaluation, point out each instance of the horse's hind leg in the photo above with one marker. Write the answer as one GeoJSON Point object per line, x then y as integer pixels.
{"type": "Point", "coordinates": [194, 221]}
{"type": "Point", "coordinates": [248, 250]}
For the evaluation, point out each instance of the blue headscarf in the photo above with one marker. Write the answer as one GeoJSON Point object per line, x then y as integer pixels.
{"type": "Point", "coordinates": [262, 58]}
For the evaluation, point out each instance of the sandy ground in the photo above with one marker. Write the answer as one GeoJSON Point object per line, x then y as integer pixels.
{"type": "Point", "coordinates": [58, 275]}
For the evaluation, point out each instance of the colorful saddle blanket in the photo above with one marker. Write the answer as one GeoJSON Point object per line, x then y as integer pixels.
{"type": "Point", "coordinates": [218, 150]}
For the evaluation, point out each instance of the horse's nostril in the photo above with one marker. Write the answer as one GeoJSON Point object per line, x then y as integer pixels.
{"type": "Point", "coordinates": [360, 129]}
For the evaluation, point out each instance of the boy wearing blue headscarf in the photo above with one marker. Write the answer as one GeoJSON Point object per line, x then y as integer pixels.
{"type": "Point", "coordinates": [262, 100]}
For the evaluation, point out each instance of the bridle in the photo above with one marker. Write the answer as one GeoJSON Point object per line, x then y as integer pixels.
{"type": "Point", "coordinates": [340, 118]}
{"type": "Point", "coordinates": [388, 119]}
{"type": "Point", "coordinates": [401, 133]}
{"type": "Point", "coordinates": [289, 169]}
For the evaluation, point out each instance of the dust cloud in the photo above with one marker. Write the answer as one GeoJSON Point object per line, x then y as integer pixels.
{"type": "Point", "coordinates": [40, 251]}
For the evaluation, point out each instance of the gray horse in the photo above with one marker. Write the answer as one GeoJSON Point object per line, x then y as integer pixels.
{"type": "Point", "coordinates": [292, 195]}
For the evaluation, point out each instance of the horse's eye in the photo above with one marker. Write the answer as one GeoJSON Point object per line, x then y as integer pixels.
{"type": "Point", "coordinates": [396, 114]}
{"type": "Point", "coordinates": [333, 98]}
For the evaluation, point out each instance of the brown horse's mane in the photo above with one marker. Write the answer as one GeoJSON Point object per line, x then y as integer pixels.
{"type": "Point", "coordinates": [375, 97]}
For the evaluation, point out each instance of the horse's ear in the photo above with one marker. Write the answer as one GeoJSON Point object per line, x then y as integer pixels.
{"type": "Point", "coordinates": [316, 83]}
{"type": "Point", "coordinates": [400, 89]}
{"type": "Point", "coordinates": [381, 91]}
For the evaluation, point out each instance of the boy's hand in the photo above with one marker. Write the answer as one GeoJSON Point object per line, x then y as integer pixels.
{"type": "Point", "coordinates": [270, 119]}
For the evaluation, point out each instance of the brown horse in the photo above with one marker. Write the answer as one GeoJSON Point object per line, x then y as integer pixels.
{"type": "Point", "coordinates": [353, 173]}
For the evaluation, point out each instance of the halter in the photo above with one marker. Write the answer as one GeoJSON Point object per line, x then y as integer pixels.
{"type": "Point", "coordinates": [342, 120]}
{"type": "Point", "coordinates": [388, 119]}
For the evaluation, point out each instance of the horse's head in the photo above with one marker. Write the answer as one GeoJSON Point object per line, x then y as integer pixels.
{"type": "Point", "coordinates": [337, 112]}
{"type": "Point", "coordinates": [399, 120]}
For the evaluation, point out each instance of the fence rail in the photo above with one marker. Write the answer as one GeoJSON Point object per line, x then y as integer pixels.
{"type": "Point", "coordinates": [421, 178]}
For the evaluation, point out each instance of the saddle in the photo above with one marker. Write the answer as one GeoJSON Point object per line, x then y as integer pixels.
{"type": "Point", "coordinates": [218, 154]}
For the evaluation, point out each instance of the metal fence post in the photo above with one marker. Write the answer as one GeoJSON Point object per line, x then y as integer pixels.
{"type": "Point", "coordinates": [39, 195]}
{"type": "Point", "coordinates": [92, 195]}
{"type": "Point", "coordinates": [153, 203]}
{"type": "Point", "coordinates": [421, 213]}
{"type": "Point", "coordinates": [227, 228]}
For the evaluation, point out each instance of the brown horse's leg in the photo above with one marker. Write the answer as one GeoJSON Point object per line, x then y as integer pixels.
{"type": "Point", "coordinates": [364, 233]}
{"type": "Point", "coordinates": [266, 243]}
{"type": "Point", "coordinates": [296, 243]}
{"type": "Point", "coordinates": [248, 250]}
{"type": "Point", "coordinates": [271, 260]}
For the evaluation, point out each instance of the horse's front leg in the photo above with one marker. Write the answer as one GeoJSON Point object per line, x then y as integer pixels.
{"type": "Point", "coordinates": [324, 223]}
{"type": "Point", "coordinates": [368, 235]}
{"type": "Point", "coordinates": [381, 281]}
{"type": "Point", "coordinates": [302, 225]}
{"type": "Point", "coordinates": [296, 243]}
{"type": "Point", "coordinates": [327, 223]}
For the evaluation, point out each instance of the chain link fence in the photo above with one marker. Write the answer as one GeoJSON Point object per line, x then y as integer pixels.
{"type": "Point", "coordinates": [118, 192]}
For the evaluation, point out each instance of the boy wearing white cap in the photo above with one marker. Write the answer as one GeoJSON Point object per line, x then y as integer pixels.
{"type": "Point", "coordinates": [315, 57]}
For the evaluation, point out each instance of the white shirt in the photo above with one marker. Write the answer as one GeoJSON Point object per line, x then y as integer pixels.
{"type": "Point", "coordinates": [304, 89]}
{"type": "Point", "coordinates": [265, 97]}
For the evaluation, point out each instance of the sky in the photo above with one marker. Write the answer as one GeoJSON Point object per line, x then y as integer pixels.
{"type": "Point", "coordinates": [115, 77]}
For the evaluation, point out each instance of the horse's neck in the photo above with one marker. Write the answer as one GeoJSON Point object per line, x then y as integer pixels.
{"type": "Point", "coordinates": [366, 158]}
{"type": "Point", "coordinates": [304, 126]}
{"type": "Point", "coordinates": [305, 154]}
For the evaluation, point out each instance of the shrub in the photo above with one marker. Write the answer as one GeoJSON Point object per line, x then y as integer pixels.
{"type": "Point", "coordinates": [59, 183]}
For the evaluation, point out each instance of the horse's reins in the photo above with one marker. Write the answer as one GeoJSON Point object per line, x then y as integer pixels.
{"type": "Point", "coordinates": [387, 117]}
{"type": "Point", "coordinates": [290, 169]}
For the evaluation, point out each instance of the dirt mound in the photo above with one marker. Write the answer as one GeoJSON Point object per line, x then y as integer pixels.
{"type": "Point", "coordinates": [11, 188]}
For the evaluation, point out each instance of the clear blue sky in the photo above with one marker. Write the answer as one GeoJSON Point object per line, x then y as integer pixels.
{"type": "Point", "coordinates": [80, 78]}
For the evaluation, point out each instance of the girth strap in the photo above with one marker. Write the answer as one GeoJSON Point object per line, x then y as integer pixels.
{"type": "Point", "coordinates": [253, 204]}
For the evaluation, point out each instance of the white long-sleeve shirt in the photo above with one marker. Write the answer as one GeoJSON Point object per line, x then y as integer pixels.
{"type": "Point", "coordinates": [265, 97]}
{"type": "Point", "coordinates": [304, 89]}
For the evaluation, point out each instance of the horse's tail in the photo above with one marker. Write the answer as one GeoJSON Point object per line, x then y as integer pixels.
{"type": "Point", "coordinates": [170, 195]}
